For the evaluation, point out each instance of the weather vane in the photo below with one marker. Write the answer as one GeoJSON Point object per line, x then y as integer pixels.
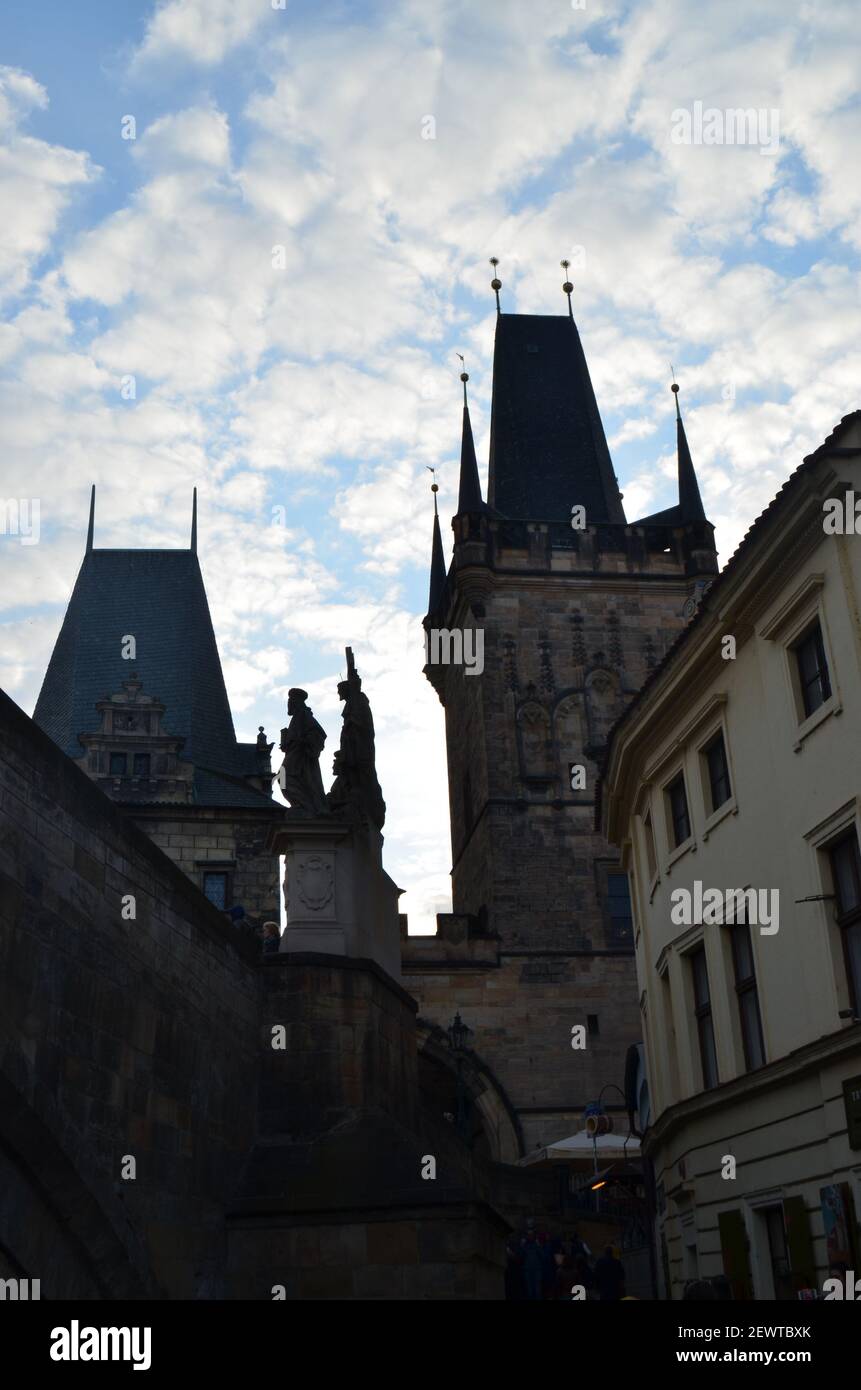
{"type": "Point", "coordinates": [567, 287]}
{"type": "Point", "coordinates": [496, 283]}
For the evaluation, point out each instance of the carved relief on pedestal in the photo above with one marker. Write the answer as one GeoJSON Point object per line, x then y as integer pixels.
{"type": "Point", "coordinates": [315, 882]}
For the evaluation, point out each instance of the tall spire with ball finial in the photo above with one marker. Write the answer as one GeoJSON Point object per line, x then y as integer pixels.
{"type": "Point", "coordinates": [690, 502]}
{"type": "Point", "coordinates": [437, 574]}
{"type": "Point", "coordinates": [469, 496]}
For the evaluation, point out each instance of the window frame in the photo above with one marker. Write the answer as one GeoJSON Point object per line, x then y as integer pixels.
{"type": "Point", "coordinates": [117, 754]}
{"type": "Point", "coordinates": [677, 845]}
{"type": "Point", "coordinates": [812, 632]}
{"type": "Point", "coordinates": [703, 1014]}
{"type": "Point", "coordinates": [218, 871]}
{"type": "Point", "coordinates": [851, 918]}
{"type": "Point", "coordinates": [746, 985]}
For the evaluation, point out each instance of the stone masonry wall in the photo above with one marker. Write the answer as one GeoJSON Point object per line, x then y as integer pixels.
{"type": "Point", "coordinates": [217, 837]}
{"type": "Point", "coordinates": [117, 1037]}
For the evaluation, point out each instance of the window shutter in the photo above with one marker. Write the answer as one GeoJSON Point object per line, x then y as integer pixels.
{"type": "Point", "coordinates": [802, 1262]}
{"type": "Point", "coordinates": [733, 1244]}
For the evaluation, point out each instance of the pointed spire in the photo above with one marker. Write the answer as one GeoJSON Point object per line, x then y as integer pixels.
{"type": "Point", "coordinates": [469, 497]}
{"type": "Point", "coordinates": [194, 522]}
{"type": "Point", "coordinates": [496, 283]}
{"type": "Point", "coordinates": [437, 574]}
{"type": "Point", "coordinates": [568, 288]}
{"type": "Point", "coordinates": [690, 502]}
{"type": "Point", "coordinates": [92, 524]}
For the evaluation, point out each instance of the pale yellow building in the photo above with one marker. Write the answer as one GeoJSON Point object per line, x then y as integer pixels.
{"type": "Point", "coordinates": [739, 767]}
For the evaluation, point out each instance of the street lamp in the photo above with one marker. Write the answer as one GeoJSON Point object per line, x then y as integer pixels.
{"type": "Point", "coordinates": [457, 1034]}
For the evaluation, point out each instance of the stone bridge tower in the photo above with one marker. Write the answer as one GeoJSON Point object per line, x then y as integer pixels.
{"type": "Point", "coordinates": [134, 693]}
{"type": "Point", "coordinates": [574, 609]}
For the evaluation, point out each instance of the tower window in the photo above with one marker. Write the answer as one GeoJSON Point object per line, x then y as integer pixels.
{"type": "Point", "coordinates": [813, 677]}
{"type": "Point", "coordinates": [215, 888]}
{"type": "Point", "coordinates": [141, 764]}
{"type": "Point", "coordinates": [118, 764]}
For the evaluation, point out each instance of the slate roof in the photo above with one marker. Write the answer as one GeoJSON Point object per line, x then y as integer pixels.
{"type": "Point", "coordinates": [158, 597]}
{"type": "Point", "coordinates": [548, 451]}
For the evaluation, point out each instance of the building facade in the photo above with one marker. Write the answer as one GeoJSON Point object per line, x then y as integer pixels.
{"type": "Point", "coordinates": [733, 787]}
{"type": "Point", "coordinates": [570, 607]}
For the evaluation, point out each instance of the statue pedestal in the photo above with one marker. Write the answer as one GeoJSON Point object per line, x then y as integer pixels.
{"type": "Point", "coordinates": [339, 898]}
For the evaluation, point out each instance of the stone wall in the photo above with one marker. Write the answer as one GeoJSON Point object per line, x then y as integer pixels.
{"type": "Point", "coordinates": [221, 838]}
{"type": "Point", "coordinates": [117, 1038]}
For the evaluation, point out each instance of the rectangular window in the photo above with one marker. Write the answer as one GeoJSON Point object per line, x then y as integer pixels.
{"type": "Point", "coordinates": [703, 1014]}
{"type": "Point", "coordinates": [813, 678]}
{"type": "Point", "coordinates": [678, 799]}
{"type": "Point", "coordinates": [141, 764]}
{"type": "Point", "coordinates": [715, 755]}
{"type": "Point", "coordinates": [651, 857]}
{"type": "Point", "coordinates": [619, 907]}
{"type": "Point", "coordinates": [215, 888]}
{"type": "Point", "coordinates": [118, 764]}
{"type": "Point", "coordinates": [748, 1000]}
{"type": "Point", "coordinates": [846, 874]}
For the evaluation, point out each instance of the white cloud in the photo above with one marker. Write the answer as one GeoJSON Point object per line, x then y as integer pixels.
{"type": "Point", "coordinates": [200, 31]}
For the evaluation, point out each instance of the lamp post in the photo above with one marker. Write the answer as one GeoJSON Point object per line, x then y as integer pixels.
{"type": "Point", "coordinates": [457, 1034]}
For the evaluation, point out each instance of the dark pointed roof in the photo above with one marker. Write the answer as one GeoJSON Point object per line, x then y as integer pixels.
{"type": "Point", "coordinates": [158, 597]}
{"type": "Point", "coordinates": [437, 574]}
{"type": "Point", "coordinates": [469, 497]}
{"type": "Point", "coordinates": [690, 502]}
{"type": "Point", "coordinates": [548, 451]}
{"type": "Point", "coordinates": [689, 506]}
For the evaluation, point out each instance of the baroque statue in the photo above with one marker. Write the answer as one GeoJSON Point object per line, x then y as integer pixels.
{"type": "Point", "coordinates": [302, 743]}
{"type": "Point", "coordinates": [356, 792]}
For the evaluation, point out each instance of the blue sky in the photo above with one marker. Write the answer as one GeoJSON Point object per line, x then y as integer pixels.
{"type": "Point", "coordinates": [327, 388]}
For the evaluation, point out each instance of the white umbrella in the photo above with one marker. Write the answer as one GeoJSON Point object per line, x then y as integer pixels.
{"type": "Point", "coordinates": [582, 1147]}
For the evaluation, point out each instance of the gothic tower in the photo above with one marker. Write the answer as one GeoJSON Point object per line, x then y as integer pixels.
{"type": "Point", "coordinates": [572, 608]}
{"type": "Point", "coordinates": [134, 693]}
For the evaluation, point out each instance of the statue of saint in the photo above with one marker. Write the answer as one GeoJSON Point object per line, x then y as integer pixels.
{"type": "Point", "coordinates": [302, 743]}
{"type": "Point", "coordinates": [356, 791]}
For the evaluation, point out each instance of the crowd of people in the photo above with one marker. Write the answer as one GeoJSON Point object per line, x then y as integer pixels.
{"type": "Point", "coordinates": [543, 1266]}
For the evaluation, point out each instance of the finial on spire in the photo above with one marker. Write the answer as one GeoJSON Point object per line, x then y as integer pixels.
{"type": "Point", "coordinates": [464, 376]}
{"type": "Point", "coordinates": [194, 522]}
{"type": "Point", "coordinates": [434, 486]}
{"type": "Point", "coordinates": [675, 390]}
{"type": "Point", "coordinates": [91, 526]}
{"type": "Point", "coordinates": [496, 283]}
{"type": "Point", "coordinates": [568, 288]}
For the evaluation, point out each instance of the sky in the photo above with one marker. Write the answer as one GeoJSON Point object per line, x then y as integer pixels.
{"type": "Point", "coordinates": [243, 241]}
